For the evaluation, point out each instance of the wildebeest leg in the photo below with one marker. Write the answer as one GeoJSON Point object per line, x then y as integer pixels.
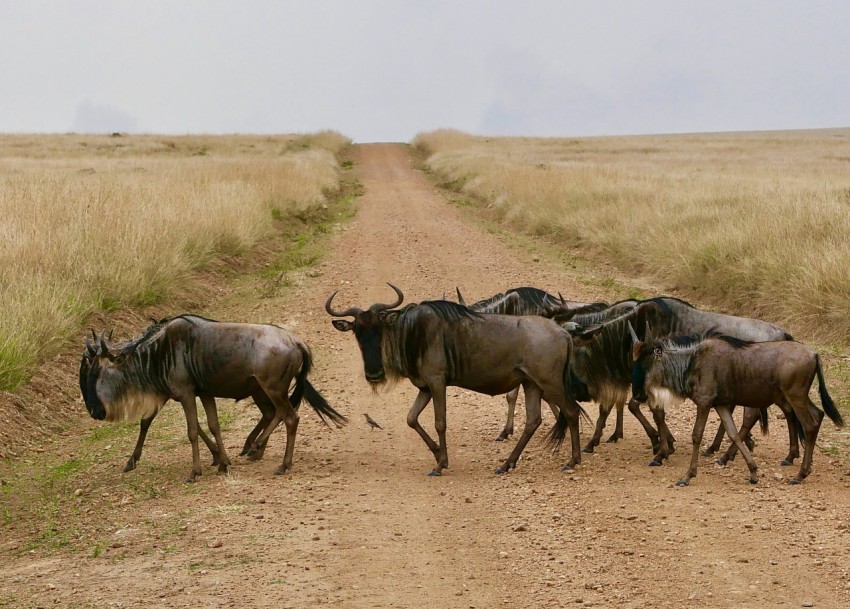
{"type": "Point", "coordinates": [290, 418]}
{"type": "Point", "coordinates": [211, 411]}
{"type": "Point", "coordinates": [144, 425]}
{"type": "Point", "coordinates": [751, 417]}
{"type": "Point", "coordinates": [725, 413]}
{"type": "Point", "coordinates": [634, 408]}
{"type": "Point", "coordinates": [618, 429]}
{"type": "Point", "coordinates": [511, 397]}
{"type": "Point", "coordinates": [419, 405]}
{"type": "Point", "coordinates": [664, 444]}
{"type": "Point", "coordinates": [267, 410]}
{"type": "Point", "coordinates": [532, 422]}
{"type": "Point", "coordinates": [604, 411]}
{"type": "Point", "coordinates": [696, 438]}
{"type": "Point", "coordinates": [810, 417]}
{"type": "Point", "coordinates": [793, 439]}
{"type": "Point", "coordinates": [190, 410]}
{"type": "Point", "coordinates": [438, 392]}
{"type": "Point", "coordinates": [716, 442]}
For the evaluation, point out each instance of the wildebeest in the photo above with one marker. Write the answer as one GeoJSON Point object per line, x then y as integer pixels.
{"type": "Point", "coordinates": [189, 356]}
{"type": "Point", "coordinates": [521, 301]}
{"type": "Point", "coordinates": [525, 301]}
{"type": "Point", "coordinates": [666, 316]}
{"type": "Point", "coordinates": [437, 344]}
{"type": "Point", "coordinates": [594, 371]}
{"type": "Point", "coordinates": [144, 424]}
{"type": "Point", "coordinates": [719, 371]}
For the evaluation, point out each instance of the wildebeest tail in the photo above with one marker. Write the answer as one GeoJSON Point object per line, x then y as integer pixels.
{"type": "Point", "coordinates": [303, 388]}
{"type": "Point", "coordinates": [556, 435]}
{"type": "Point", "coordinates": [763, 421]}
{"type": "Point", "coordinates": [828, 405]}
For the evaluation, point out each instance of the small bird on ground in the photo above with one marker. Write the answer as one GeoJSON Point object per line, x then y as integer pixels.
{"type": "Point", "coordinates": [372, 423]}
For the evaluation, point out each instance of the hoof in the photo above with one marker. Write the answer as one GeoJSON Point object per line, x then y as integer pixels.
{"type": "Point", "coordinates": [682, 482]}
{"type": "Point", "coordinates": [280, 471]}
{"type": "Point", "coordinates": [720, 461]}
{"type": "Point", "coordinates": [754, 480]}
{"type": "Point", "coordinates": [707, 452]}
{"type": "Point", "coordinates": [499, 470]}
{"type": "Point", "coordinates": [131, 465]}
{"type": "Point", "coordinates": [793, 481]}
{"type": "Point", "coordinates": [613, 439]}
{"type": "Point", "coordinates": [500, 438]}
{"type": "Point", "coordinates": [190, 480]}
{"type": "Point", "coordinates": [568, 468]}
{"type": "Point", "coordinates": [783, 462]}
{"type": "Point", "coordinates": [434, 472]}
{"type": "Point", "coordinates": [223, 470]}
{"type": "Point", "coordinates": [655, 463]}
{"type": "Point", "coordinates": [587, 449]}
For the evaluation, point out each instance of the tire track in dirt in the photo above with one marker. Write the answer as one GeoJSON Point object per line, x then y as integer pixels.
{"type": "Point", "coordinates": [357, 523]}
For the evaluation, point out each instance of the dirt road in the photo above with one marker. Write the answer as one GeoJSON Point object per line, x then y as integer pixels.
{"type": "Point", "coordinates": [357, 523]}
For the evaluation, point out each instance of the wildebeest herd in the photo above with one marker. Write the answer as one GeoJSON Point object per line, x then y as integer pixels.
{"type": "Point", "coordinates": [658, 351]}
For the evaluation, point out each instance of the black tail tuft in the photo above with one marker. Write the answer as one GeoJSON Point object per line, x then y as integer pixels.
{"type": "Point", "coordinates": [556, 435]}
{"type": "Point", "coordinates": [763, 421]}
{"type": "Point", "coordinates": [303, 389]}
{"type": "Point", "coordinates": [828, 405]}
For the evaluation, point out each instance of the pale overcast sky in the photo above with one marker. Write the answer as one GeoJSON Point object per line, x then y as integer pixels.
{"type": "Point", "coordinates": [384, 70]}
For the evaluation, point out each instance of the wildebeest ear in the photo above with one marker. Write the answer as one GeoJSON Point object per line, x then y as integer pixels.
{"type": "Point", "coordinates": [390, 317]}
{"type": "Point", "coordinates": [342, 325]}
{"type": "Point", "coordinates": [636, 348]}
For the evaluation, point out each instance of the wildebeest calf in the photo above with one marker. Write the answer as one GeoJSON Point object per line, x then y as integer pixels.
{"type": "Point", "coordinates": [718, 371]}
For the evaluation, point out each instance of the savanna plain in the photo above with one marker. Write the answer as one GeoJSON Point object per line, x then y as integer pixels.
{"type": "Point", "coordinates": [106, 232]}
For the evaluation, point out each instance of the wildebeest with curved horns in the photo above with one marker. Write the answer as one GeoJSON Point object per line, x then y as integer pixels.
{"type": "Point", "coordinates": [718, 371]}
{"type": "Point", "coordinates": [190, 356]}
{"type": "Point", "coordinates": [437, 344]}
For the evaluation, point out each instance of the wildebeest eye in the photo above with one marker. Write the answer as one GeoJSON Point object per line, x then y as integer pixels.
{"type": "Point", "coordinates": [657, 351]}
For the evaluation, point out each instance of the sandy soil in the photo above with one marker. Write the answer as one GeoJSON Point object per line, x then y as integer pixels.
{"type": "Point", "coordinates": [357, 523]}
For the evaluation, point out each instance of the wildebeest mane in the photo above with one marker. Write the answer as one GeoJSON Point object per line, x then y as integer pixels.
{"type": "Point", "coordinates": [450, 311]}
{"type": "Point", "coordinates": [404, 343]}
{"type": "Point", "coordinates": [534, 296]}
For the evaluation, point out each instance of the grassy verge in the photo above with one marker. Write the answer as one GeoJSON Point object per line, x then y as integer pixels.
{"type": "Point", "coordinates": [754, 224]}
{"type": "Point", "coordinates": [96, 223]}
{"type": "Point", "coordinates": [73, 498]}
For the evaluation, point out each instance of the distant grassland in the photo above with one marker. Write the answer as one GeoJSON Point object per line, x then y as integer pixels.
{"type": "Point", "coordinates": [755, 224]}
{"type": "Point", "coordinates": [99, 222]}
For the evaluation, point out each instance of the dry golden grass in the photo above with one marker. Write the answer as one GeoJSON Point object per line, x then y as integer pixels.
{"type": "Point", "coordinates": [98, 222]}
{"type": "Point", "coordinates": [756, 224]}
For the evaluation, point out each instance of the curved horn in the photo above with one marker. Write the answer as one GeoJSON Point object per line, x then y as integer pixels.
{"type": "Point", "coordinates": [90, 348]}
{"type": "Point", "coordinates": [377, 307]}
{"type": "Point", "coordinates": [104, 349]}
{"type": "Point", "coordinates": [635, 338]}
{"type": "Point", "coordinates": [349, 312]}
{"type": "Point", "coordinates": [460, 297]}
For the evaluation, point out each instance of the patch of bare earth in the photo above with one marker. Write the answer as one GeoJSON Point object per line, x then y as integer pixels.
{"type": "Point", "coordinates": [357, 523]}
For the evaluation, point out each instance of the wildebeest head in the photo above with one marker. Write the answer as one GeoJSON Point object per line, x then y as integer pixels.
{"type": "Point", "coordinates": [644, 355]}
{"type": "Point", "coordinates": [109, 388]}
{"type": "Point", "coordinates": [86, 361]}
{"type": "Point", "coordinates": [368, 330]}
